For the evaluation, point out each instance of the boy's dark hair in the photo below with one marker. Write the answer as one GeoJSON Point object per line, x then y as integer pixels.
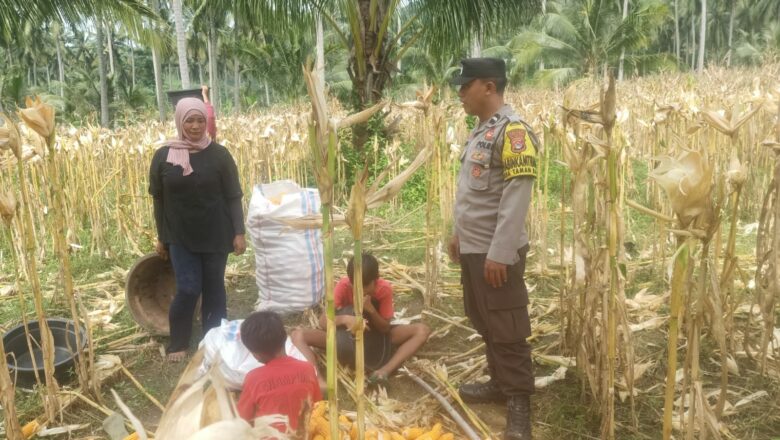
{"type": "Point", "coordinates": [263, 332]}
{"type": "Point", "coordinates": [370, 269]}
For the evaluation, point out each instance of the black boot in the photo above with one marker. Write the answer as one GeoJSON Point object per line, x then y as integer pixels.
{"type": "Point", "coordinates": [481, 392]}
{"type": "Point", "coordinates": [518, 418]}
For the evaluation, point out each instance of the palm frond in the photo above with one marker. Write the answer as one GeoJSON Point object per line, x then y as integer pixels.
{"type": "Point", "coordinates": [447, 23]}
{"type": "Point", "coordinates": [555, 77]}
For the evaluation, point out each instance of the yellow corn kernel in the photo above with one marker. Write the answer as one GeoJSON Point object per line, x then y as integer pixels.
{"type": "Point", "coordinates": [31, 428]}
{"type": "Point", "coordinates": [323, 427]}
{"type": "Point", "coordinates": [412, 433]}
{"type": "Point", "coordinates": [319, 409]}
{"type": "Point", "coordinates": [133, 436]}
{"type": "Point", "coordinates": [396, 436]}
{"type": "Point", "coordinates": [448, 436]}
{"type": "Point", "coordinates": [433, 434]}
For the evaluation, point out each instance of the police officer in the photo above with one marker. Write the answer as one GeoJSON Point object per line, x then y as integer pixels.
{"type": "Point", "coordinates": [498, 168]}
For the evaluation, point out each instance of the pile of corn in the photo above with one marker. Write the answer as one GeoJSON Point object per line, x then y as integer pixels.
{"type": "Point", "coordinates": [319, 429]}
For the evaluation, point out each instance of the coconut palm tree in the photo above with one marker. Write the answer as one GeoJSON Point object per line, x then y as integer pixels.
{"type": "Point", "coordinates": [368, 29]}
{"type": "Point", "coordinates": [588, 36]}
{"type": "Point", "coordinates": [181, 43]}
{"type": "Point", "coordinates": [15, 15]}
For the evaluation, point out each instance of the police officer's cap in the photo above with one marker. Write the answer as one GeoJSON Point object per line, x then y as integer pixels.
{"type": "Point", "coordinates": [473, 68]}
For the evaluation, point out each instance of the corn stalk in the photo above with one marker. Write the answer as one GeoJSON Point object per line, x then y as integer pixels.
{"type": "Point", "coordinates": [83, 363]}
{"type": "Point", "coordinates": [679, 275]}
{"type": "Point", "coordinates": [428, 127]}
{"type": "Point", "coordinates": [323, 140]}
{"type": "Point", "coordinates": [613, 230]}
{"type": "Point", "coordinates": [50, 402]}
{"type": "Point", "coordinates": [355, 217]}
{"type": "Point", "coordinates": [767, 255]}
{"type": "Point", "coordinates": [7, 391]}
{"type": "Point", "coordinates": [599, 274]}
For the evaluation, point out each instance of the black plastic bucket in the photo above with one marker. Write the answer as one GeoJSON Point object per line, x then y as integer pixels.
{"type": "Point", "coordinates": [175, 95]}
{"type": "Point", "coordinates": [20, 360]}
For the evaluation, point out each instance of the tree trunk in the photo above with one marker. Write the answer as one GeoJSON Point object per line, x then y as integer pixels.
{"type": "Point", "coordinates": [677, 30]}
{"type": "Point", "coordinates": [110, 45]}
{"type": "Point", "coordinates": [703, 36]}
{"type": "Point", "coordinates": [60, 67]}
{"type": "Point", "coordinates": [104, 116]}
{"type": "Point", "coordinates": [236, 86]}
{"type": "Point", "coordinates": [158, 86]}
{"type": "Point", "coordinates": [34, 72]}
{"type": "Point", "coordinates": [476, 47]}
{"type": "Point", "coordinates": [398, 30]}
{"type": "Point", "coordinates": [132, 65]}
{"type": "Point", "coordinates": [200, 73]}
{"type": "Point", "coordinates": [544, 12]}
{"type": "Point", "coordinates": [693, 41]}
{"type": "Point", "coordinates": [623, 52]}
{"type": "Point", "coordinates": [369, 66]}
{"type": "Point", "coordinates": [181, 44]}
{"type": "Point", "coordinates": [731, 32]}
{"type": "Point", "coordinates": [213, 72]}
{"type": "Point", "coordinates": [320, 65]}
{"type": "Point", "coordinates": [267, 94]}
{"type": "Point", "coordinates": [48, 77]}
{"type": "Point", "coordinates": [158, 80]}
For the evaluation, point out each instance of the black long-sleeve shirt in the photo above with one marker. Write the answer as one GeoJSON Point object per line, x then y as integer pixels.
{"type": "Point", "coordinates": [201, 212]}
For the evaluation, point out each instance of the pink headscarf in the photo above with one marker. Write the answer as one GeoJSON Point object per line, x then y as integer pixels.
{"type": "Point", "coordinates": [178, 153]}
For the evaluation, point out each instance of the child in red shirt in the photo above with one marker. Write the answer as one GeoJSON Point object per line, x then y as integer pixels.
{"type": "Point", "coordinates": [284, 384]}
{"type": "Point", "coordinates": [387, 346]}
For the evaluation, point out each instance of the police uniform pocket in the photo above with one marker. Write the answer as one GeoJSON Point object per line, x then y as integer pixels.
{"type": "Point", "coordinates": [479, 169]}
{"type": "Point", "coordinates": [509, 296]}
{"type": "Point", "coordinates": [513, 294]}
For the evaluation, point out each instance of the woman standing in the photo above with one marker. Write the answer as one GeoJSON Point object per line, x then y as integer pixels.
{"type": "Point", "coordinates": [199, 217]}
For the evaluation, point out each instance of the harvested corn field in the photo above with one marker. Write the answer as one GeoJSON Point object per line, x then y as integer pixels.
{"type": "Point", "coordinates": [651, 273]}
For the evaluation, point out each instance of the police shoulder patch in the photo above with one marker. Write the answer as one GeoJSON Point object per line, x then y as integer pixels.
{"type": "Point", "coordinates": [519, 152]}
{"type": "Point", "coordinates": [516, 137]}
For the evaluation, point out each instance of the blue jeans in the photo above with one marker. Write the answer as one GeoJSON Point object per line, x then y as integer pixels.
{"type": "Point", "coordinates": [196, 274]}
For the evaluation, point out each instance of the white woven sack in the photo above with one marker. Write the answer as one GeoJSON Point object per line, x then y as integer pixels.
{"type": "Point", "coordinates": [288, 262]}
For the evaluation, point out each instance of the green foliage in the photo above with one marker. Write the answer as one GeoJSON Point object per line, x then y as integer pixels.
{"type": "Point", "coordinates": [585, 37]}
{"type": "Point", "coordinates": [417, 41]}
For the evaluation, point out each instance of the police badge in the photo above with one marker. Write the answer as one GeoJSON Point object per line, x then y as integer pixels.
{"type": "Point", "coordinates": [517, 140]}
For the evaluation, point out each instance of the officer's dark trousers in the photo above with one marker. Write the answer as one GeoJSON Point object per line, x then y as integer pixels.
{"type": "Point", "coordinates": [501, 318]}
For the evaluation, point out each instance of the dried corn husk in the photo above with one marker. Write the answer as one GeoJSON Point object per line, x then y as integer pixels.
{"type": "Point", "coordinates": [7, 206]}
{"type": "Point", "coordinates": [737, 173]}
{"type": "Point", "coordinates": [687, 181]}
{"type": "Point", "coordinates": [9, 137]}
{"type": "Point", "coordinates": [39, 116]}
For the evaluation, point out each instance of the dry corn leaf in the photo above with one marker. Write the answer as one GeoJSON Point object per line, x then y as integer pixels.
{"type": "Point", "coordinates": [544, 381]}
